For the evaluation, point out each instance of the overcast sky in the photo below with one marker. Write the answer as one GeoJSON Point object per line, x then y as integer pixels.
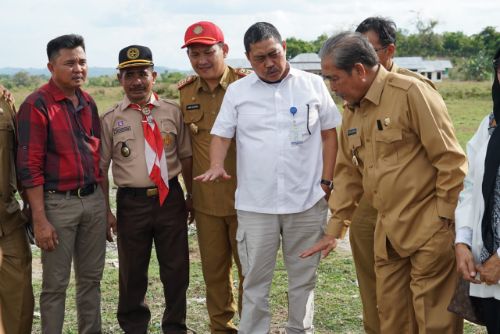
{"type": "Point", "coordinates": [109, 25]}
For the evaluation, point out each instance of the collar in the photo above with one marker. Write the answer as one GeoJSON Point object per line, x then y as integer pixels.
{"type": "Point", "coordinates": [291, 73]}
{"type": "Point", "coordinates": [223, 82]}
{"type": "Point", "coordinates": [377, 87]}
{"type": "Point", "coordinates": [394, 67]}
{"type": "Point", "coordinates": [153, 100]}
{"type": "Point", "coordinates": [58, 94]}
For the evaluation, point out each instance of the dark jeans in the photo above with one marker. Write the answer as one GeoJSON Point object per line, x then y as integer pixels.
{"type": "Point", "coordinates": [491, 312]}
{"type": "Point", "coordinates": [141, 221]}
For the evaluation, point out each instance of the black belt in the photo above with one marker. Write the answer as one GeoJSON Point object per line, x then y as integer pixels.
{"type": "Point", "coordinates": [145, 192]}
{"type": "Point", "coordinates": [80, 192]}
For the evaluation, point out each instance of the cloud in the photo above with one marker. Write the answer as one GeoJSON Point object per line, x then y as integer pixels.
{"type": "Point", "coordinates": [109, 25]}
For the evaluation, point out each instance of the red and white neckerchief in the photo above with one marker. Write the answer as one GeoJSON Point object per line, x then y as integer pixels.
{"type": "Point", "coordinates": [153, 147]}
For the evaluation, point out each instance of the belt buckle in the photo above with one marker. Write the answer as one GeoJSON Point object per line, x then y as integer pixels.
{"type": "Point", "coordinates": [151, 192]}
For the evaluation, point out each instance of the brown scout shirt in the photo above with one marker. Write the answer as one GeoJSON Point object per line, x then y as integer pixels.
{"type": "Point", "coordinates": [122, 124]}
{"type": "Point", "coordinates": [200, 108]}
{"type": "Point", "coordinates": [10, 214]}
{"type": "Point", "coordinates": [399, 148]}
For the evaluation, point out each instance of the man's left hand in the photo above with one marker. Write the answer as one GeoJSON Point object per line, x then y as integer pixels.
{"type": "Point", "coordinates": [490, 270]}
{"type": "Point", "coordinates": [325, 245]}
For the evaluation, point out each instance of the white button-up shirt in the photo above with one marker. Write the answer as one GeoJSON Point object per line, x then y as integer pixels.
{"type": "Point", "coordinates": [279, 153]}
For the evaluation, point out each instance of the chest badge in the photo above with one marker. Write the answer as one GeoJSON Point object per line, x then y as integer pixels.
{"type": "Point", "coordinates": [387, 121]}
{"type": "Point", "coordinates": [125, 150]}
{"type": "Point", "coordinates": [194, 128]}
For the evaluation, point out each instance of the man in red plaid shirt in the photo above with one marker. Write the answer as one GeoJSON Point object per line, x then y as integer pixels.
{"type": "Point", "coordinates": [58, 165]}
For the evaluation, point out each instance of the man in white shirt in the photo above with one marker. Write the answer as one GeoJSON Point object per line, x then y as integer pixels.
{"type": "Point", "coordinates": [284, 121]}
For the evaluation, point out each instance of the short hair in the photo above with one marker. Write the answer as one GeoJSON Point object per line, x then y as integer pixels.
{"type": "Point", "coordinates": [260, 31]}
{"type": "Point", "coordinates": [383, 27]}
{"type": "Point", "coordinates": [71, 41]}
{"type": "Point", "coordinates": [348, 48]}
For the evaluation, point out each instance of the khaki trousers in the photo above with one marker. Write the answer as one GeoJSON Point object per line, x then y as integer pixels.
{"type": "Point", "coordinates": [217, 242]}
{"type": "Point", "coordinates": [361, 237]}
{"type": "Point", "coordinates": [16, 292]}
{"type": "Point", "coordinates": [259, 236]}
{"type": "Point", "coordinates": [80, 224]}
{"type": "Point", "coordinates": [413, 292]}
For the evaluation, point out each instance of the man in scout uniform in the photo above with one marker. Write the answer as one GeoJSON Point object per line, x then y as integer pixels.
{"type": "Point", "coordinates": [16, 292]}
{"type": "Point", "coordinates": [398, 149]}
{"type": "Point", "coordinates": [381, 34]}
{"type": "Point", "coordinates": [201, 97]}
{"type": "Point", "coordinates": [147, 140]}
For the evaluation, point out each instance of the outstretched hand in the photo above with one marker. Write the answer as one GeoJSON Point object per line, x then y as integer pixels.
{"type": "Point", "coordinates": [213, 174]}
{"type": "Point", "coordinates": [325, 245]}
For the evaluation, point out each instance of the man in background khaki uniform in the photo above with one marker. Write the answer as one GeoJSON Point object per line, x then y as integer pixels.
{"type": "Point", "coordinates": [201, 97]}
{"type": "Point", "coordinates": [143, 162]}
{"type": "Point", "coordinates": [16, 292]}
{"type": "Point", "coordinates": [399, 150]}
{"type": "Point", "coordinates": [381, 34]}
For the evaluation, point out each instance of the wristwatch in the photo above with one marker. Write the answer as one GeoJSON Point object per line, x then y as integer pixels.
{"type": "Point", "coordinates": [328, 183]}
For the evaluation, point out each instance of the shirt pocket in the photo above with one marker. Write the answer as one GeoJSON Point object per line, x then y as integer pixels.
{"type": "Point", "coordinates": [307, 120]}
{"type": "Point", "coordinates": [169, 135]}
{"type": "Point", "coordinates": [388, 141]}
{"type": "Point", "coordinates": [6, 157]}
{"type": "Point", "coordinates": [125, 146]}
{"type": "Point", "coordinates": [6, 133]}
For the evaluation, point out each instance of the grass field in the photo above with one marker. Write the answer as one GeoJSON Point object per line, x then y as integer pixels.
{"type": "Point", "coordinates": [338, 306]}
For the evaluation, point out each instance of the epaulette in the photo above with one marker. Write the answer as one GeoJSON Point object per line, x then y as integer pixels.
{"type": "Point", "coordinates": [400, 81]}
{"type": "Point", "coordinates": [110, 110]}
{"type": "Point", "coordinates": [242, 72]}
{"type": "Point", "coordinates": [186, 81]}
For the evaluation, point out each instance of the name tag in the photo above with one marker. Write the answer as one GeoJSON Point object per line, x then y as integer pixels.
{"type": "Point", "coordinates": [352, 132]}
{"type": "Point", "coordinates": [120, 130]}
{"type": "Point", "coordinates": [192, 106]}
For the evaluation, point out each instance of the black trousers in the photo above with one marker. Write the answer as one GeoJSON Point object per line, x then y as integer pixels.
{"type": "Point", "coordinates": [140, 222]}
{"type": "Point", "coordinates": [490, 308]}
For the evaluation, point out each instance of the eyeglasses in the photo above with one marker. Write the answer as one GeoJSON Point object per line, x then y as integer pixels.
{"type": "Point", "coordinates": [381, 48]}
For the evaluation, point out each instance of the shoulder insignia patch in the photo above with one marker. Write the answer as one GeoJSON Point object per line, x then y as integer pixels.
{"type": "Point", "coordinates": [400, 81]}
{"type": "Point", "coordinates": [186, 81]}
{"type": "Point", "coordinates": [242, 72]}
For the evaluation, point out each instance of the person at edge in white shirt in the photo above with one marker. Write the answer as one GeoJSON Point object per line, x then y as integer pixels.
{"type": "Point", "coordinates": [284, 121]}
{"type": "Point", "coordinates": [477, 226]}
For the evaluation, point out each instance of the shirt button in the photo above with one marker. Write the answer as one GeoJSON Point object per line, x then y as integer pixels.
{"type": "Point", "coordinates": [371, 166]}
{"type": "Point", "coordinates": [383, 216]}
{"type": "Point", "coordinates": [375, 192]}
{"type": "Point", "coordinates": [368, 140]}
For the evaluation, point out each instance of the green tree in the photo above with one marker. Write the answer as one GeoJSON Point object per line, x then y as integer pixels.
{"type": "Point", "coordinates": [295, 46]}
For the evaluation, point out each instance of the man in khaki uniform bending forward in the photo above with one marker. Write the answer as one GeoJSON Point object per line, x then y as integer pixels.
{"type": "Point", "coordinates": [398, 148]}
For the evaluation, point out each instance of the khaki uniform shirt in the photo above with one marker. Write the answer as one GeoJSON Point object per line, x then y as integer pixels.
{"type": "Point", "coordinates": [200, 108]}
{"type": "Point", "coordinates": [10, 214]}
{"type": "Point", "coordinates": [122, 125]}
{"type": "Point", "coordinates": [399, 148]}
{"type": "Point", "coordinates": [404, 71]}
